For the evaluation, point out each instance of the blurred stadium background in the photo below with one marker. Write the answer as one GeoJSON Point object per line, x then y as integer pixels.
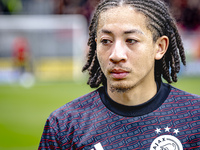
{"type": "Point", "coordinates": [42, 49]}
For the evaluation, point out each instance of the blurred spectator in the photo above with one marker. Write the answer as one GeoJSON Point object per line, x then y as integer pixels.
{"type": "Point", "coordinates": [84, 7]}
{"type": "Point", "coordinates": [22, 62]}
{"type": "Point", "coordinates": [186, 12]}
{"type": "Point", "coordinates": [67, 6]}
{"type": "Point", "coordinates": [21, 55]}
{"type": "Point", "coordinates": [191, 14]}
{"type": "Point", "coordinates": [88, 8]}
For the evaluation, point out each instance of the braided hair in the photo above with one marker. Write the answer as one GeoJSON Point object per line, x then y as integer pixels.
{"type": "Point", "coordinates": [159, 21]}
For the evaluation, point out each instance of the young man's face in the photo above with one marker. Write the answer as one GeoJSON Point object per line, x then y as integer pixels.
{"type": "Point", "coordinates": [125, 48]}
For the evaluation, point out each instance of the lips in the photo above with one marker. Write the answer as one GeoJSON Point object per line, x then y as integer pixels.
{"type": "Point", "coordinates": [119, 73]}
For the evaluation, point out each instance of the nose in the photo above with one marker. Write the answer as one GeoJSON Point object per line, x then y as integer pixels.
{"type": "Point", "coordinates": [118, 53]}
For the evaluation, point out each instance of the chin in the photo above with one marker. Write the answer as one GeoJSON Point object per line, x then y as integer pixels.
{"type": "Point", "coordinates": [121, 87]}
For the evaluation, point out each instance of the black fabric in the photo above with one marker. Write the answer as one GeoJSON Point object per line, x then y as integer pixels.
{"type": "Point", "coordinates": [142, 109]}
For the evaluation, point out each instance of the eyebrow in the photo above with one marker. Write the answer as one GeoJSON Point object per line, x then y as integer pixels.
{"type": "Point", "coordinates": [133, 31]}
{"type": "Point", "coordinates": [125, 32]}
{"type": "Point", "coordinates": [105, 31]}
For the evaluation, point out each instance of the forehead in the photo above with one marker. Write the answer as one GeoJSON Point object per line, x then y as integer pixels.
{"type": "Point", "coordinates": [125, 17]}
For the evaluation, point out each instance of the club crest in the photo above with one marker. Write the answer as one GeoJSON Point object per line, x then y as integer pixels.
{"type": "Point", "coordinates": [166, 142]}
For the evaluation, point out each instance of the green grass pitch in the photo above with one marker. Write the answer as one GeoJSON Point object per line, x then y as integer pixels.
{"type": "Point", "coordinates": [23, 112]}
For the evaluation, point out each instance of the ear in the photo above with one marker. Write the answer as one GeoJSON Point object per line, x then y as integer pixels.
{"type": "Point", "coordinates": [161, 47]}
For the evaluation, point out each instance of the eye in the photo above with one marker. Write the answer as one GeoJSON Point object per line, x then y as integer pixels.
{"type": "Point", "coordinates": [131, 41]}
{"type": "Point", "coordinates": [105, 41]}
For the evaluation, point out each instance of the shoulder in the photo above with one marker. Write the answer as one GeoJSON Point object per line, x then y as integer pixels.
{"type": "Point", "coordinates": [179, 94]}
{"type": "Point", "coordinates": [76, 107]}
{"type": "Point", "coordinates": [63, 121]}
{"type": "Point", "coordinates": [177, 91]}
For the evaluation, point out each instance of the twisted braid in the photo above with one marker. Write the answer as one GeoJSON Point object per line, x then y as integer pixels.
{"type": "Point", "coordinates": [159, 22]}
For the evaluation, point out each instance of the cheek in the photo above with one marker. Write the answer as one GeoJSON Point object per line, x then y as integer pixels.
{"type": "Point", "coordinates": [100, 58]}
{"type": "Point", "coordinates": [143, 59]}
{"type": "Point", "coordinates": [103, 61]}
{"type": "Point", "coordinates": [148, 52]}
{"type": "Point", "coordinates": [102, 54]}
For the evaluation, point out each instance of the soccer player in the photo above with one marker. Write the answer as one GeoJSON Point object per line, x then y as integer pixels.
{"type": "Point", "coordinates": [133, 45]}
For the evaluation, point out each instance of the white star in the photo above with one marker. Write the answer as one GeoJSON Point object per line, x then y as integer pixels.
{"type": "Point", "coordinates": [167, 129]}
{"type": "Point", "coordinates": [158, 130]}
{"type": "Point", "coordinates": [176, 131]}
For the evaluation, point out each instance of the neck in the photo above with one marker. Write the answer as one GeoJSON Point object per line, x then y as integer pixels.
{"type": "Point", "coordinates": [137, 95]}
